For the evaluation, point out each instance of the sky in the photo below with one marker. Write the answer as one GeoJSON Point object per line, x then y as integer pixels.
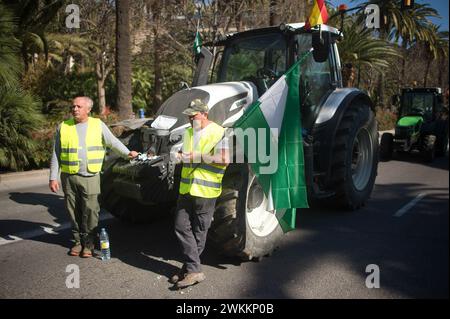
{"type": "Point", "coordinates": [441, 7]}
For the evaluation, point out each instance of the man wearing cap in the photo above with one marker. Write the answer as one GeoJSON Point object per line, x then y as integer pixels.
{"type": "Point", "coordinates": [205, 157]}
{"type": "Point", "coordinates": [79, 150]}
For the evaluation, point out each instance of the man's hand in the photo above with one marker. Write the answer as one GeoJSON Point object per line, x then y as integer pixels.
{"type": "Point", "coordinates": [191, 157]}
{"type": "Point", "coordinates": [132, 154]}
{"type": "Point", "coordinates": [54, 186]}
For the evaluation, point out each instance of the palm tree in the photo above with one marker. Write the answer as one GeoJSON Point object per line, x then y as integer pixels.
{"type": "Point", "coordinates": [19, 115]}
{"type": "Point", "coordinates": [63, 46]}
{"type": "Point", "coordinates": [33, 17]}
{"type": "Point", "coordinates": [359, 49]}
{"type": "Point", "coordinates": [391, 17]}
{"type": "Point", "coordinates": [436, 47]}
{"type": "Point", "coordinates": [415, 27]}
{"type": "Point", "coordinates": [123, 59]}
{"type": "Point", "coordinates": [10, 66]}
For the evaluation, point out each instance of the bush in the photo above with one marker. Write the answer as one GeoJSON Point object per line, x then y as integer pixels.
{"type": "Point", "coordinates": [19, 119]}
{"type": "Point", "coordinates": [386, 119]}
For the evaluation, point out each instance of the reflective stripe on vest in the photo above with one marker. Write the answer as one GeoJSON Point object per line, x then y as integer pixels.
{"type": "Point", "coordinates": [95, 151]}
{"type": "Point", "coordinates": [202, 179]}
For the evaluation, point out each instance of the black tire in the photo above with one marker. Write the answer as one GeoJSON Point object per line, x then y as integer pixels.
{"type": "Point", "coordinates": [230, 230]}
{"type": "Point", "coordinates": [130, 211]}
{"type": "Point", "coordinates": [357, 129]}
{"type": "Point", "coordinates": [386, 146]}
{"type": "Point", "coordinates": [428, 149]}
{"type": "Point", "coordinates": [441, 133]}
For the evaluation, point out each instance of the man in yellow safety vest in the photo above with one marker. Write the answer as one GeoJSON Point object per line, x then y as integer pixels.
{"type": "Point", "coordinates": [204, 156]}
{"type": "Point", "coordinates": [78, 151]}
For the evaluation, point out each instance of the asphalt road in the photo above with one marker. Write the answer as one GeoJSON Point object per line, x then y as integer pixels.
{"type": "Point", "coordinates": [403, 230]}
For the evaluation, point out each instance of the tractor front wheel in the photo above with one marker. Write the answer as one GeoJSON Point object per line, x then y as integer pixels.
{"type": "Point", "coordinates": [355, 157]}
{"type": "Point", "coordinates": [242, 225]}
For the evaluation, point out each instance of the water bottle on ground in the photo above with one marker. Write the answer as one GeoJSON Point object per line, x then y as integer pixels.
{"type": "Point", "coordinates": [104, 245]}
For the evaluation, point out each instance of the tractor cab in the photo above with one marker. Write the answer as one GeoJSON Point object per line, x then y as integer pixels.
{"type": "Point", "coordinates": [421, 102]}
{"type": "Point", "coordinates": [261, 56]}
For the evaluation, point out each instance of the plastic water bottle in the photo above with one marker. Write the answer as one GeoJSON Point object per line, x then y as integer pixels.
{"type": "Point", "coordinates": [104, 245]}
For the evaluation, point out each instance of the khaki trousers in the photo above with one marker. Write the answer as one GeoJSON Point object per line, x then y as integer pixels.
{"type": "Point", "coordinates": [81, 198]}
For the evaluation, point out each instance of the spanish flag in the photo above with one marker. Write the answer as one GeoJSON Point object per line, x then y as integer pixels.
{"type": "Point", "coordinates": [318, 15]}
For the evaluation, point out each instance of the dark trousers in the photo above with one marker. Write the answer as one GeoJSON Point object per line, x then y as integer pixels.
{"type": "Point", "coordinates": [81, 199]}
{"type": "Point", "coordinates": [192, 220]}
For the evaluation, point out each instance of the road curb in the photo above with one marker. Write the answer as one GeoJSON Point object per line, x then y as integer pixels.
{"type": "Point", "coordinates": [7, 177]}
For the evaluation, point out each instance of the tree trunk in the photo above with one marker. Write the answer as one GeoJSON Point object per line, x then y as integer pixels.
{"type": "Point", "coordinates": [123, 59]}
{"type": "Point", "coordinates": [427, 71]}
{"type": "Point", "coordinates": [380, 89]}
{"type": "Point", "coordinates": [157, 95]}
{"type": "Point", "coordinates": [348, 75]}
{"type": "Point", "coordinates": [441, 71]}
{"type": "Point", "coordinates": [101, 95]}
{"type": "Point", "coordinates": [274, 17]}
{"type": "Point", "coordinates": [405, 55]}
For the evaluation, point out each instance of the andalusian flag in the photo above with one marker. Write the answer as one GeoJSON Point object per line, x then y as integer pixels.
{"type": "Point", "coordinates": [278, 111]}
{"type": "Point", "coordinates": [318, 14]}
{"type": "Point", "coordinates": [197, 43]}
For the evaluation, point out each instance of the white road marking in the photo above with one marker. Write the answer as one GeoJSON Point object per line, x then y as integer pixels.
{"type": "Point", "coordinates": [42, 231]}
{"type": "Point", "coordinates": [408, 206]}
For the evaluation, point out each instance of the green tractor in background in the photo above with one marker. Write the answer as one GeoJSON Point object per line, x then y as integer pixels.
{"type": "Point", "coordinates": [422, 125]}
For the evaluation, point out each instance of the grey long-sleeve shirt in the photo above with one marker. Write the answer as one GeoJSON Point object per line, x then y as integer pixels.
{"type": "Point", "coordinates": [109, 140]}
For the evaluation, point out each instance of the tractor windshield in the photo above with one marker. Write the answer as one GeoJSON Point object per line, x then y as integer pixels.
{"type": "Point", "coordinates": [260, 59]}
{"type": "Point", "coordinates": [414, 103]}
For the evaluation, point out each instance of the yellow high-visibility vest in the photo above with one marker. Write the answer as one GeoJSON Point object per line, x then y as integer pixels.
{"type": "Point", "coordinates": [202, 179]}
{"type": "Point", "coordinates": [69, 146]}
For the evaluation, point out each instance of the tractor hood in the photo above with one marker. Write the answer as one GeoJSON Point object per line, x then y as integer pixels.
{"type": "Point", "coordinates": [409, 121]}
{"type": "Point", "coordinates": [226, 102]}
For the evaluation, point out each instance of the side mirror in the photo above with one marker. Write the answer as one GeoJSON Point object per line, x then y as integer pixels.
{"type": "Point", "coordinates": [204, 60]}
{"type": "Point", "coordinates": [321, 46]}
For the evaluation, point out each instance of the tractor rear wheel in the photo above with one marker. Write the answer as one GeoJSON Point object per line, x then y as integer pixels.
{"type": "Point", "coordinates": [242, 226]}
{"type": "Point", "coordinates": [355, 157]}
{"type": "Point", "coordinates": [441, 132]}
{"type": "Point", "coordinates": [428, 149]}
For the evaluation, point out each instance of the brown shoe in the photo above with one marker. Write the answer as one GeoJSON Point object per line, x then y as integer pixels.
{"type": "Point", "coordinates": [190, 279]}
{"type": "Point", "coordinates": [75, 250]}
{"type": "Point", "coordinates": [178, 276]}
{"type": "Point", "coordinates": [86, 253]}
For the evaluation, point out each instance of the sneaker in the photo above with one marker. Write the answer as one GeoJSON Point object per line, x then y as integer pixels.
{"type": "Point", "coordinates": [86, 253]}
{"type": "Point", "coordinates": [75, 250]}
{"type": "Point", "coordinates": [178, 276]}
{"type": "Point", "coordinates": [191, 279]}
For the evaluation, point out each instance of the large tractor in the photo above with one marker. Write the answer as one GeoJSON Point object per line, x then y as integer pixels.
{"type": "Point", "coordinates": [339, 133]}
{"type": "Point", "coordinates": [422, 125]}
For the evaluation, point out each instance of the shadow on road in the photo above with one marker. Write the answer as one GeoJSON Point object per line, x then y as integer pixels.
{"type": "Point", "coordinates": [412, 251]}
{"type": "Point", "coordinates": [10, 228]}
{"type": "Point", "coordinates": [413, 261]}
{"type": "Point", "coordinates": [415, 157]}
{"type": "Point", "coordinates": [152, 247]}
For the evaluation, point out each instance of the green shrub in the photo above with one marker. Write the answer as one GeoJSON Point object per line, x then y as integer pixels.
{"type": "Point", "coordinates": [19, 119]}
{"type": "Point", "coordinates": [386, 119]}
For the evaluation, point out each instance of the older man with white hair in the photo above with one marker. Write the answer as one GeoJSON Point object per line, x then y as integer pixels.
{"type": "Point", "coordinates": [78, 152]}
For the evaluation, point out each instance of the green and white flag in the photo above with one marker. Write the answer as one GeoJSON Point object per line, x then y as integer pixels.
{"type": "Point", "coordinates": [278, 111]}
{"type": "Point", "coordinates": [197, 47]}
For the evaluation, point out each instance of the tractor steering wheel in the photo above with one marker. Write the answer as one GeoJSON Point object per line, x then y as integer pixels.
{"type": "Point", "coordinates": [417, 111]}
